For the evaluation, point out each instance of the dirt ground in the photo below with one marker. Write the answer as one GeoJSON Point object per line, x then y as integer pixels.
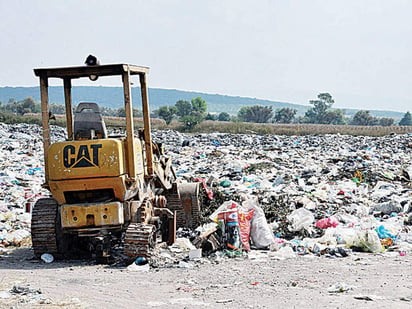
{"type": "Point", "coordinates": [361, 280]}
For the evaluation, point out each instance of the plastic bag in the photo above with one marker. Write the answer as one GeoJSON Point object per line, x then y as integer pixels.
{"type": "Point", "coordinates": [300, 219]}
{"type": "Point", "coordinates": [369, 241]}
{"type": "Point", "coordinates": [260, 232]}
{"type": "Point", "coordinates": [283, 253]}
{"type": "Point", "coordinates": [229, 224]}
{"type": "Point", "coordinates": [327, 222]}
{"type": "Point", "coordinates": [384, 233]}
{"type": "Point", "coordinates": [346, 236]}
{"type": "Point", "coordinates": [245, 216]}
{"type": "Point", "coordinates": [225, 206]}
{"type": "Point", "coordinates": [387, 208]}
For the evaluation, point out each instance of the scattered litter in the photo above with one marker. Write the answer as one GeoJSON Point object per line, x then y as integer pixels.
{"type": "Point", "coordinates": [363, 297]}
{"type": "Point", "coordinates": [323, 195]}
{"type": "Point", "coordinates": [47, 258]}
{"type": "Point", "coordinates": [5, 295]}
{"type": "Point", "coordinates": [283, 253]}
{"type": "Point", "coordinates": [225, 301]}
{"type": "Point", "coordinates": [138, 268]}
{"type": "Point", "coordinates": [195, 254]}
{"type": "Point", "coordinates": [340, 287]}
{"type": "Point", "coordinates": [183, 264]}
{"type": "Point", "coordinates": [24, 290]}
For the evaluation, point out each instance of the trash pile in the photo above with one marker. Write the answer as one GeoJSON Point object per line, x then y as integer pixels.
{"type": "Point", "coordinates": [21, 177]}
{"type": "Point", "coordinates": [324, 195]}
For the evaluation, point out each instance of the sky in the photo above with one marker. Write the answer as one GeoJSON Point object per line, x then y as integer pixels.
{"type": "Point", "coordinates": [359, 51]}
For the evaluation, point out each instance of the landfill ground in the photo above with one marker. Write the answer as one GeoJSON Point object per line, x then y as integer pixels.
{"type": "Point", "coordinates": [361, 280]}
{"type": "Point", "coordinates": [334, 213]}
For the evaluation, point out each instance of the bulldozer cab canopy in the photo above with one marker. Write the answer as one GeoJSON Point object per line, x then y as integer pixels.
{"type": "Point", "coordinates": [93, 72]}
{"type": "Point", "coordinates": [87, 71]}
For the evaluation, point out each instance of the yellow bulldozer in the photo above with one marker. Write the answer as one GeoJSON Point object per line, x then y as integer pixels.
{"type": "Point", "coordinates": [106, 189]}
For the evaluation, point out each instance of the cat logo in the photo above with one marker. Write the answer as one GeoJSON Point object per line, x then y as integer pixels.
{"type": "Point", "coordinates": [74, 158]}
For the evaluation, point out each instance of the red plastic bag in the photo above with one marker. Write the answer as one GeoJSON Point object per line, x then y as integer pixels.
{"type": "Point", "coordinates": [327, 222]}
{"type": "Point", "coordinates": [244, 217]}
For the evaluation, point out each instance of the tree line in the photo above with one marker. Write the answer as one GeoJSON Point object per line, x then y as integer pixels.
{"type": "Point", "coordinates": [29, 105]}
{"type": "Point", "coordinates": [190, 113]}
{"type": "Point", "coordinates": [319, 113]}
{"type": "Point", "coordinates": [194, 112]}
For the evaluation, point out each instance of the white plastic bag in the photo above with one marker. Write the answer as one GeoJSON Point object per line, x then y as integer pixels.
{"type": "Point", "coordinates": [225, 206]}
{"type": "Point", "coordinates": [260, 231]}
{"type": "Point", "coordinates": [285, 252]}
{"type": "Point", "coordinates": [300, 219]}
{"type": "Point", "coordinates": [369, 241]}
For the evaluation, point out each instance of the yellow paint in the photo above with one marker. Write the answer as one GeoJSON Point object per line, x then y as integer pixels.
{"type": "Point", "coordinates": [86, 159]}
{"type": "Point", "coordinates": [86, 215]}
{"type": "Point", "coordinates": [92, 165]}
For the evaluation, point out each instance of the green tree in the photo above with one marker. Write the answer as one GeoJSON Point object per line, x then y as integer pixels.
{"type": "Point", "coordinates": [191, 113]}
{"type": "Point", "coordinates": [190, 121]}
{"type": "Point", "coordinates": [199, 105]}
{"type": "Point", "coordinates": [11, 106]}
{"type": "Point", "coordinates": [364, 118]}
{"type": "Point", "coordinates": [223, 116]}
{"type": "Point", "coordinates": [335, 116]}
{"type": "Point", "coordinates": [386, 122]}
{"type": "Point", "coordinates": [57, 109]}
{"type": "Point", "coordinates": [29, 103]}
{"type": "Point", "coordinates": [37, 108]}
{"type": "Point", "coordinates": [406, 120]}
{"type": "Point", "coordinates": [241, 115]}
{"type": "Point", "coordinates": [183, 108]}
{"type": "Point", "coordinates": [20, 110]}
{"type": "Point", "coordinates": [107, 111]}
{"type": "Point", "coordinates": [121, 112]}
{"type": "Point", "coordinates": [317, 114]}
{"type": "Point", "coordinates": [285, 115]}
{"type": "Point", "coordinates": [210, 116]}
{"type": "Point", "coordinates": [167, 113]}
{"type": "Point", "coordinates": [256, 113]}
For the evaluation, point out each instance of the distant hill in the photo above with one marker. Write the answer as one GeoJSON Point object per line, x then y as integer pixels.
{"type": "Point", "coordinates": [113, 97]}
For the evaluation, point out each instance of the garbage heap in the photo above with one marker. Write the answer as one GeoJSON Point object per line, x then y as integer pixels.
{"type": "Point", "coordinates": [291, 195]}
{"type": "Point", "coordinates": [296, 195]}
{"type": "Point", "coordinates": [21, 177]}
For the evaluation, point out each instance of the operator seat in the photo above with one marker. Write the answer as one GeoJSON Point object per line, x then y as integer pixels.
{"type": "Point", "coordinates": [88, 122]}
